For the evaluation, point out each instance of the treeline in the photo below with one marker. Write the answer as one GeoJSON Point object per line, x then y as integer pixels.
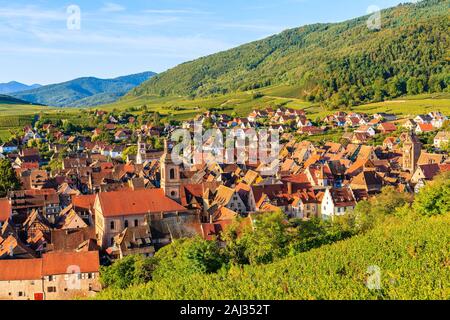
{"type": "Point", "coordinates": [306, 259]}
{"type": "Point", "coordinates": [340, 64]}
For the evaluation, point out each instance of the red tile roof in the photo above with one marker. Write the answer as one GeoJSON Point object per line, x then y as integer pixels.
{"type": "Point", "coordinates": [49, 264]}
{"type": "Point", "coordinates": [20, 269]}
{"type": "Point", "coordinates": [84, 201]}
{"type": "Point", "coordinates": [5, 210]}
{"type": "Point", "coordinates": [138, 202]}
{"type": "Point", "coordinates": [59, 263]}
{"type": "Point", "coordinates": [426, 127]}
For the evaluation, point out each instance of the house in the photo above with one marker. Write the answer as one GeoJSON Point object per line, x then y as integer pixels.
{"type": "Point", "coordinates": [360, 138]}
{"type": "Point", "coordinates": [442, 139]}
{"type": "Point", "coordinates": [55, 276]}
{"type": "Point", "coordinates": [425, 172]}
{"type": "Point", "coordinates": [369, 181]}
{"type": "Point", "coordinates": [121, 135]}
{"type": "Point", "coordinates": [46, 201]}
{"type": "Point", "coordinates": [133, 241]}
{"type": "Point", "coordinates": [423, 119]}
{"type": "Point", "coordinates": [424, 128]}
{"type": "Point", "coordinates": [306, 205]}
{"type": "Point", "coordinates": [115, 211]}
{"type": "Point", "coordinates": [230, 199]}
{"type": "Point", "coordinates": [387, 127]}
{"type": "Point", "coordinates": [410, 124]}
{"type": "Point", "coordinates": [336, 202]}
{"type": "Point", "coordinates": [385, 116]}
{"type": "Point", "coordinates": [389, 143]}
{"type": "Point", "coordinates": [8, 147]}
{"type": "Point", "coordinates": [5, 211]}
{"type": "Point", "coordinates": [367, 130]}
{"type": "Point", "coordinates": [438, 119]}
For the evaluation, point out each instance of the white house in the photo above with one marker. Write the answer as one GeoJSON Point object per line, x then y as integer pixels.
{"type": "Point", "coordinates": [337, 202]}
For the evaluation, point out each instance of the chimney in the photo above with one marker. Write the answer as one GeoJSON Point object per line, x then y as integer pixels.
{"type": "Point", "coordinates": [289, 186]}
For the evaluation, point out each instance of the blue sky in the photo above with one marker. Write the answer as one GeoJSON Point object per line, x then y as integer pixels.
{"type": "Point", "coordinates": [122, 37]}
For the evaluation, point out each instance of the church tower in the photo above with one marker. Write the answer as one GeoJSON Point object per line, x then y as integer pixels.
{"type": "Point", "coordinates": [141, 151]}
{"type": "Point", "coordinates": [170, 175]}
{"type": "Point", "coordinates": [411, 152]}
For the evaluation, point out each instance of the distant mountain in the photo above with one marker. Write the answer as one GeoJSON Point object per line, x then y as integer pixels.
{"type": "Point", "coordinates": [84, 91]}
{"type": "Point", "coordinates": [4, 99]}
{"type": "Point", "coordinates": [14, 86]}
{"type": "Point", "coordinates": [337, 64]}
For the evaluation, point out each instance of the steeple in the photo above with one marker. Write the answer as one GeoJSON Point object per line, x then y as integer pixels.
{"type": "Point", "coordinates": [141, 151]}
{"type": "Point", "coordinates": [412, 149]}
{"type": "Point", "coordinates": [170, 174]}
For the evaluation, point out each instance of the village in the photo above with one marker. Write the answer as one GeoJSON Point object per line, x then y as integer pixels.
{"type": "Point", "coordinates": [91, 197]}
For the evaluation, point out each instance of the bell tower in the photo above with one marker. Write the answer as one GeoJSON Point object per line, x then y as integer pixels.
{"type": "Point", "coordinates": [170, 175]}
{"type": "Point", "coordinates": [411, 152]}
{"type": "Point", "coordinates": [141, 151]}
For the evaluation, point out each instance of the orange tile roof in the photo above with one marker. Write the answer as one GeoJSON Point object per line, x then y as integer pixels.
{"type": "Point", "coordinates": [49, 264]}
{"type": "Point", "coordinates": [138, 202]}
{"type": "Point", "coordinates": [5, 210]}
{"type": "Point", "coordinates": [20, 269]}
{"type": "Point", "coordinates": [58, 263]}
{"type": "Point", "coordinates": [84, 201]}
{"type": "Point", "coordinates": [426, 127]}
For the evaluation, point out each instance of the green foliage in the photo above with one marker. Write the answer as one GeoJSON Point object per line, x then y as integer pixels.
{"type": "Point", "coordinates": [188, 256]}
{"type": "Point", "coordinates": [434, 198]}
{"type": "Point", "coordinates": [370, 212]}
{"type": "Point", "coordinates": [8, 178]}
{"type": "Point", "coordinates": [342, 64]}
{"type": "Point", "coordinates": [131, 150]}
{"type": "Point", "coordinates": [131, 270]}
{"type": "Point", "coordinates": [412, 255]}
{"type": "Point", "coordinates": [280, 259]}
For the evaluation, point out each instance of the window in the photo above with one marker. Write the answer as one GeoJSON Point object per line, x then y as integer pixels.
{"type": "Point", "coordinates": [112, 225]}
{"type": "Point", "coordinates": [20, 294]}
{"type": "Point", "coordinates": [136, 222]}
{"type": "Point", "coordinates": [172, 174]}
{"type": "Point", "coordinates": [51, 278]}
{"type": "Point", "coordinates": [51, 289]}
{"type": "Point", "coordinates": [126, 223]}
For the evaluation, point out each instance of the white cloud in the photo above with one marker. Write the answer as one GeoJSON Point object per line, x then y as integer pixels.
{"type": "Point", "coordinates": [32, 13]}
{"type": "Point", "coordinates": [112, 7]}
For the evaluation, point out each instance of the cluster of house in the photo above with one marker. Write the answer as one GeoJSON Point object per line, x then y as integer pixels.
{"type": "Point", "coordinates": [62, 225]}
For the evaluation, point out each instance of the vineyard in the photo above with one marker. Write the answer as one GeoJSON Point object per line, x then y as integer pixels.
{"type": "Point", "coordinates": [412, 257]}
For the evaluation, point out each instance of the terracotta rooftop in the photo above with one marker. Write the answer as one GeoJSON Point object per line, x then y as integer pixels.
{"type": "Point", "coordinates": [138, 202]}
{"type": "Point", "coordinates": [5, 210]}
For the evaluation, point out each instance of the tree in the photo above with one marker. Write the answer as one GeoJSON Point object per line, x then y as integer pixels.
{"type": "Point", "coordinates": [8, 178]}
{"type": "Point", "coordinates": [434, 198]}
{"type": "Point", "coordinates": [131, 150]}
{"type": "Point", "coordinates": [131, 270]}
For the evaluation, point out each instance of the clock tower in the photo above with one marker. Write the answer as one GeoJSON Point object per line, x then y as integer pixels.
{"type": "Point", "coordinates": [170, 174]}
{"type": "Point", "coordinates": [411, 152]}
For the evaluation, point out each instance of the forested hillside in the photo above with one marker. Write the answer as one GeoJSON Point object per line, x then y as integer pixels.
{"type": "Point", "coordinates": [342, 64]}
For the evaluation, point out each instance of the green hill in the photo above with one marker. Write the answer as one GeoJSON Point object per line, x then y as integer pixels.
{"type": "Point", "coordinates": [340, 63]}
{"type": "Point", "coordinates": [84, 91]}
{"type": "Point", "coordinates": [4, 99]}
{"type": "Point", "coordinates": [413, 257]}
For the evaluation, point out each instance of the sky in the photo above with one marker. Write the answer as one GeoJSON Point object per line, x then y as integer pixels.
{"type": "Point", "coordinates": [45, 41]}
